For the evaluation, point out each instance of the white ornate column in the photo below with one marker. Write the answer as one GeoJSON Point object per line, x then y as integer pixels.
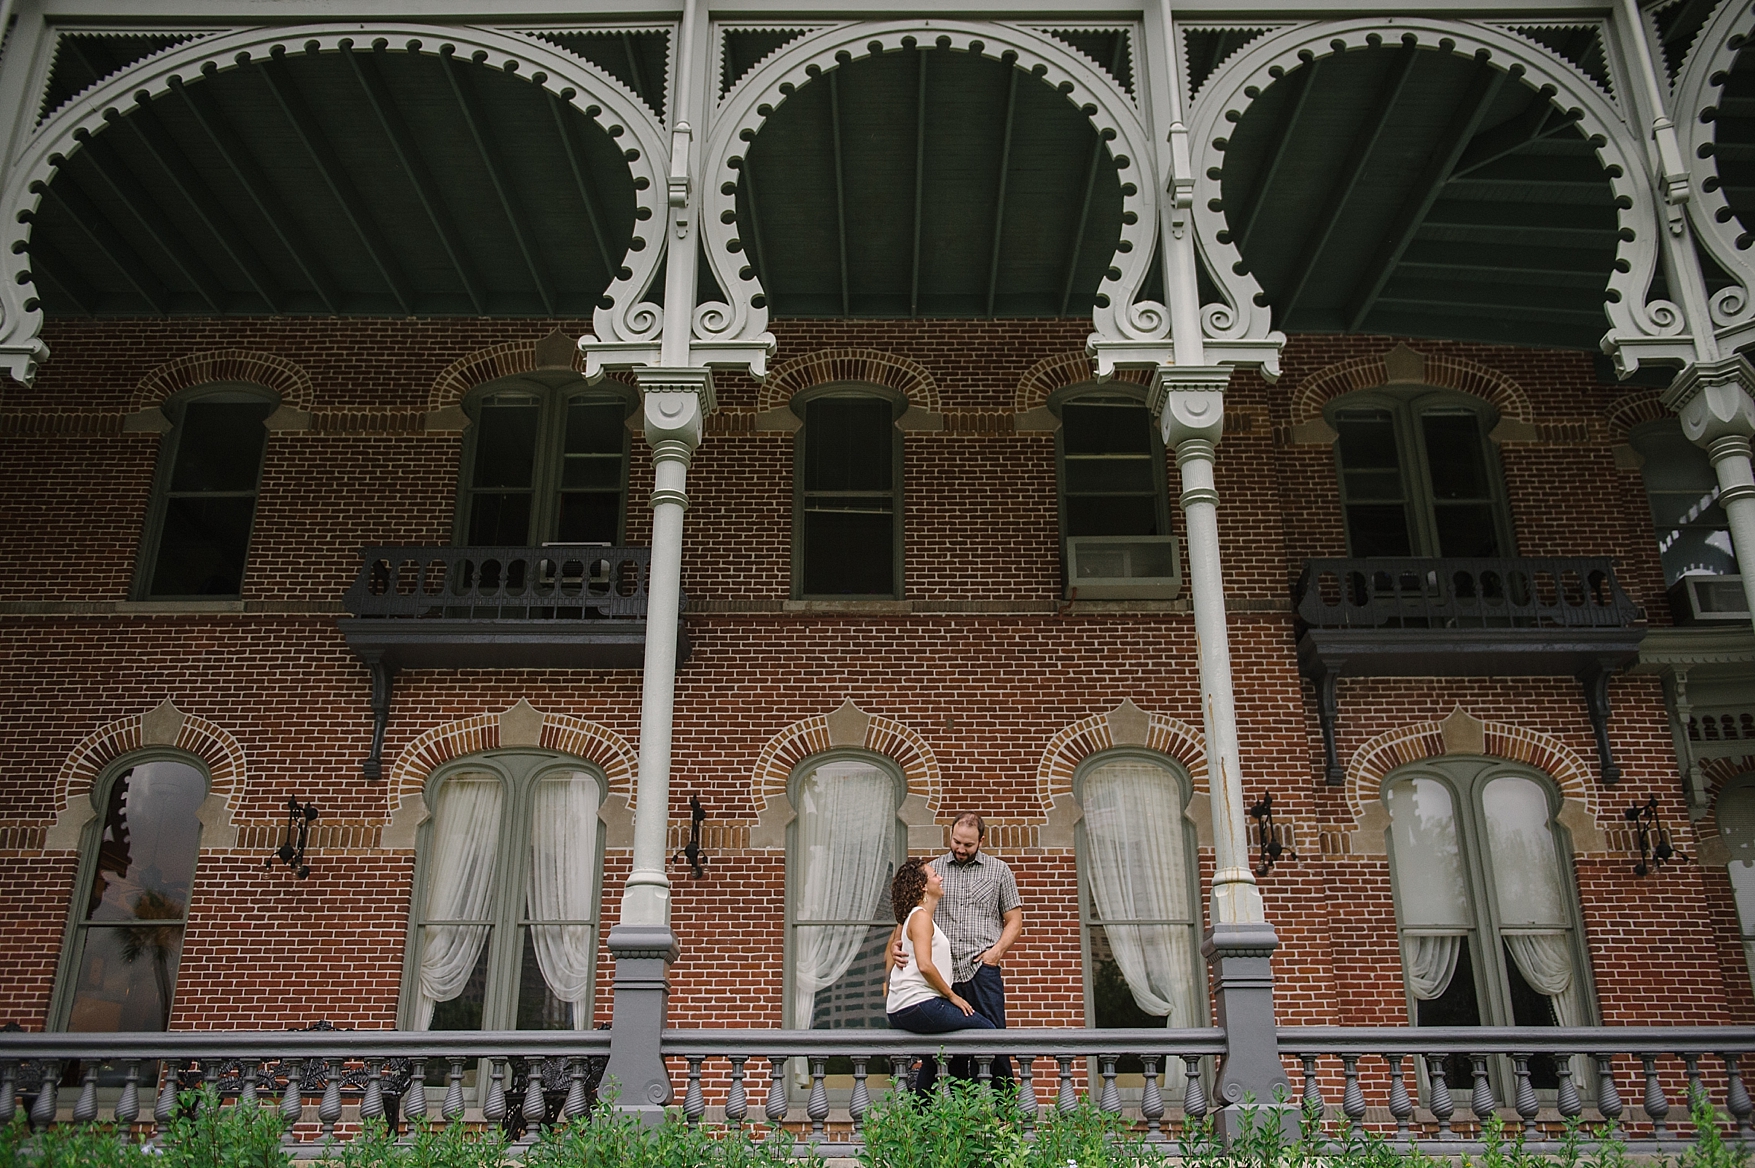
{"type": "Point", "coordinates": [1712, 398]}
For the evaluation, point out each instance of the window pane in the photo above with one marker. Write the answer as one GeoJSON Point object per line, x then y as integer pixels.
{"type": "Point", "coordinates": [505, 441]}
{"type": "Point", "coordinates": [1428, 856]}
{"type": "Point", "coordinates": [1692, 533]}
{"type": "Point", "coordinates": [202, 546]}
{"type": "Point", "coordinates": [126, 978]}
{"type": "Point", "coordinates": [1735, 811]}
{"type": "Point", "coordinates": [848, 444]}
{"type": "Point", "coordinates": [1466, 529]}
{"type": "Point", "coordinates": [538, 1007]}
{"type": "Point", "coordinates": [1092, 428]}
{"type": "Point", "coordinates": [848, 552]}
{"type": "Point", "coordinates": [596, 427]}
{"type": "Point", "coordinates": [1455, 456]}
{"type": "Point", "coordinates": [1118, 474]}
{"type": "Point", "coordinates": [463, 1012]}
{"type": "Point", "coordinates": [1525, 864]}
{"type": "Point", "coordinates": [1365, 485]}
{"type": "Point", "coordinates": [1367, 440]}
{"type": "Point", "coordinates": [1378, 530]}
{"type": "Point", "coordinates": [1112, 515]}
{"type": "Point", "coordinates": [1112, 1002]}
{"type": "Point", "coordinates": [219, 446]}
{"type": "Point", "coordinates": [499, 520]}
{"type": "Point", "coordinates": [843, 859]}
{"type": "Point", "coordinates": [587, 517]}
{"type": "Point", "coordinates": [146, 852]}
{"type": "Point", "coordinates": [855, 1000]}
{"type": "Point", "coordinates": [1458, 1005]}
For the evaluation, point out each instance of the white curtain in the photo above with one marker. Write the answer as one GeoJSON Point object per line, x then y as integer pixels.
{"type": "Point", "coordinates": [846, 843]}
{"type": "Point", "coordinates": [460, 887]}
{"type": "Point", "coordinates": [1139, 871]}
{"type": "Point", "coordinates": [563, 886]}
{"type": "Point", "coordinates": [1430, 963]}
{"type": "Point", "coordinates": [1532, 897]}
{"type": "Point", "coordinates": [1545, 960]}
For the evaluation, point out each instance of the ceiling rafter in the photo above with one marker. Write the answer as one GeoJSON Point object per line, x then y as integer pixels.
{"type": "Point", "coordinates": [1506, 139]}
{"type": "Point", "coordinates": [1005, 166]}
{"type": "Point", "coordinates": [840, 179]}
{"type": "Point", "coordinates": [1483, 88]}
{"type": "Point", "coordinates": [310, 132]}
{"type": "Point", "coordinates": [582, 181]}
{"type": "Point", "coordinates": [367, 70]}
{"type": "Point", "coordinates": [104, 236]}
{"type": "Point", "coordinates": [1352, 170]}
{"type": "Point", "coordinates": [230, 145]}
{"type": "Point", "coordinates": [1244, 225]}
{"type": "Point", "coordinates": [152, 135]}
{"type": "Point", "coordinates": [490, 158]}
{"type": "Point", "coordinates": [919, 180]}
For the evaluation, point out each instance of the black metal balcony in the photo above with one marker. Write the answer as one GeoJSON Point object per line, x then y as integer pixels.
{"type": "Point", "coordinates": [1465, 618]}
{"type": "Point", "coordinates": [567, 607]}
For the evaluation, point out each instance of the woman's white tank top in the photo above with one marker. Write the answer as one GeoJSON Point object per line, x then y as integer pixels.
{"type": "Point", "coordinates": [908, 986]}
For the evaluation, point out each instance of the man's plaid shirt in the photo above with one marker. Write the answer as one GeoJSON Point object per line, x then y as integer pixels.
{"type": "Point", "coordinates": [977, 895]}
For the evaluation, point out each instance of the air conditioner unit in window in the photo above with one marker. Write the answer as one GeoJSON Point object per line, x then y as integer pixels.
{"type": "Point", "coordinates": [1122, 567]}
{"type": "Point", "coordinates": [1708, 599]}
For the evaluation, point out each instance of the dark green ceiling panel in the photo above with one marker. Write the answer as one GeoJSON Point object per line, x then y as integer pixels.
{"type": "Point", "coordinates": [84, 59]}
{"type": "Point", "coordinates": [1733, 148]}
{"type": "Point", "coordinates": [639, 60]}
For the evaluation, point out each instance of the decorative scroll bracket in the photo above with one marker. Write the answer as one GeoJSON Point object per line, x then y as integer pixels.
{"type": "Point", "coordinates": [383, 681]}
{"type": "Point", "coordinates": [1596, 703]}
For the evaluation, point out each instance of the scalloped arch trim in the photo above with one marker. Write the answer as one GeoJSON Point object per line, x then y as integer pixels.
{"type": "Point", "coordinates": [1631, 409]}
{"type": "Point", "coordinates": [884, 736]}
{"type": "Point", "coordinates": [1345, 377]}
{"type": "Point", "coordinates": [1119, 727]}
{"type": "Point", "coordinates": [1060, 371]}
{"type": "Point", "coordinates": [579, 737]}
{"type": "Point", "coordinates": [205, 740]}
{"type": "Point", "coordinates": [908, 378]}
{"type": "Point", "coordinates": [268, 370]}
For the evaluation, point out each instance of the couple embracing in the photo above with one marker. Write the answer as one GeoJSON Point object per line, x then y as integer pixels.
{"type": "Point", "coordinates": [956, 918]}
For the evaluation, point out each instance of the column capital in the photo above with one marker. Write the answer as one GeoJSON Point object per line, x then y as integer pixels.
{"type": "Point", "coordinates": [1188, 402]}
{"type": "Point", "coordinates": [1712, 399]}
{"type": "Point", "coordinates": [676, 401]}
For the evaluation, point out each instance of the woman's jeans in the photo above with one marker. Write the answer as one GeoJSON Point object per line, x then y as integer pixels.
{"type": "Point", "coordinates": [934, 1016]}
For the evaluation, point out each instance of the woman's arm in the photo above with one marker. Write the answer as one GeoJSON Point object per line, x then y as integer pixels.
{"type": "Point", "coordinates": [920, 932]}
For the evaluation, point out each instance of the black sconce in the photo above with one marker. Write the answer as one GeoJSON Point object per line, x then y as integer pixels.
{"type": "Point", "coordinates": [1272, 849]}
{"type": "Point", "coordinates": [291, 852]}
{"type": "Point", "coordinates": [691, 853]}
{"type": "Point", "coordinates": [1655, 848]}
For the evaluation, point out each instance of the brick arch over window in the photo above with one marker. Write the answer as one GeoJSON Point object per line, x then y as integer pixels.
{"type": "Point", "coordinates": [847, 726]}
{"type": "Point", "coordinates": [1404, 366]}
{"type": "Point", "coordinates": [1058, 372]}
{"type": "Point", "coordinates": [163, 726]}
{"type": "Point", "coordinates": [1125, 725]}
{"type": "Point", "coordinates": [520, 726]}
{"type": "Point", "coordinates": [504, 360]}
{"type": "Point", "coordinates": [268, 370]}
{"type": "Point", "coordinates": [1463, 733]}
{"type": "Point", "coordinates": [1632, 409]}
{"type": "Point", "coordinates": [908, 378]}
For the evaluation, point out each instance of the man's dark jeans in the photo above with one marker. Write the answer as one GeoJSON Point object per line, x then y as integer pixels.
{"type": "Point", "coordinates": [986, 992]}
{"type": "Point", "coordinates": [936, 1016]}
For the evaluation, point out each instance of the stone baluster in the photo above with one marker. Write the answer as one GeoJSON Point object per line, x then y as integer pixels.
{"type": "Point", "coordinates": [900, 1066]}
{"type": "Point", "coordinates": [816, 1105]}
{"type": "Point", "coordinates": [372, 1102]}
{"type": "Point", "coordinates": [1566, 1098]}
{"type": "Point", "coordinates": [1352, 1098]}
{"type": "Point", "coordinates": [1401, 1108]}
{"type": "Point", "coordinates": [42, 1112]}
{"type": "Point", "coordinates": [1110, 1100]}
{"type": "Point", "coordinates": [1524, 1095]}
{"type": "Point", "coordinates": [776, 1105]}
{"type": "Point", "coordinates": [494, 1108]}
{"type": "Point", "coordinates": [860, 1101]}
{"type": "Point", "coordinates": [1696, 1090]}
{"type": "Point", "coordinates": [694, 1104]}
{"type": "Point", "coordinates": [576, 1102]}
{"type": "Point", "coordinates": [1482, 1102]}
{"type": "Point", "coordinates": [1068, 1099]}
{"type": "Point", "coordinates": [250, 1069]}
{"type": "Point", "coordinates": [984, 1069]}
{"type": "Point", "coordinates": [453, 1108]}
{"type": "Point", "coordinates": [8, 1091]}
{"type": "Point", "coordinates": [737, 1104]}
{"type": "Point", "coordinates": [1313, 1103]}
{"type": "Point", "coordinates": [1194, 1096]}
{"type": "Point", "coordinates": [1028, 1105]}
{"type": "Point", "coordinates": [1151, 1099]}
{"type": "Point", "coordinates": [1438, 1100]}
{"type": "Point", "coordinates": [414, 1100]}
{"type": "Point", "coordinates": [1737, 1095]}
{"type": "Point", "coordinates": [292, 1100]}
{"type": "Point", "coordinates": [1608, 1099]}
{"type": "Point", "coordinates": [128, 1105]}
{"type": "Point", "coordinates": [209, 1085]}
{"type": "Point", "coordinates": [1657, 1106]}
{"type": "Point", "coordinates": [85, 1107]}
{"type": "Point", "coordinates": [535, 1106]}
{"type": "Point", "coordinates": [329, 1108]}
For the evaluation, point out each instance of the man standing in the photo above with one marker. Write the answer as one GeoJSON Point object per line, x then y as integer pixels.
{"type": "Point", "coordinates": [983, 916]}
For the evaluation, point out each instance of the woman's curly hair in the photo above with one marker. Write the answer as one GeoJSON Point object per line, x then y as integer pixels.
{"type": "Point", "coordinates": [907, 888]}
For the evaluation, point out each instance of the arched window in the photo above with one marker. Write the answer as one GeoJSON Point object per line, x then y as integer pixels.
{"type": "Point", "coordinates": [847, 498]}
{"type": "Point", "coordinates": [124, 942]}
{"type": "Point", "coordinates": [197, 535]}
{"type": "Point", "coordinates": [1485, 901]}
{"type": "Point", "coordinates": [843, 850]}
{"type": "Point", "coordinates": [504, 930]}
{"type": "Point", "coordinates": [545, 461]}
{"type": "Point", "coordinates": [1114, 498]}
{"type": "Point", "coordinates": [1138, 893]}
{"type": "Point", "coordinates": [1735, 812]}
{"type": "Point", "coordinates": [1419, 476]}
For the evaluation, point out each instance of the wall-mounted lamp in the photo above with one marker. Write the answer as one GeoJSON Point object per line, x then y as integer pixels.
{"type": "Point", "coordinates": [1655, 848]}
{"type": "Point", "coordinates": [291, 852]}
{"type": "Point", "coordinates": [691, 853]}
{"type": "Point", "coordinates": [1273, 849]}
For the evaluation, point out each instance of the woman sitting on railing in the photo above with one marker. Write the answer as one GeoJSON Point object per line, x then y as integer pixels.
{"type": "Point", "coordinates": [920, 997]}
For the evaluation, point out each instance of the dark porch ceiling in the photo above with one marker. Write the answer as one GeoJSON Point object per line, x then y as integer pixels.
{"type": "Point", "coordinates": [1733, 146]}
{"type": "Point", "coordinates": [375, 182]}
{"type": "Point", "coordinates": [1404, 191]}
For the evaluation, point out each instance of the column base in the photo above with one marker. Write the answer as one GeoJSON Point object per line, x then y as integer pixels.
{"type": "Point", "coordinates": [636, 1071]}
{"type": "Point", "coordinates": [1250, 1076]}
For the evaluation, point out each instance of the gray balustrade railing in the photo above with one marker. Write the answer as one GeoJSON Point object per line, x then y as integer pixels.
{"type": "Point", "coordinates": [533, 583]}
{"type": "Point", "coordinates": [1546, 593]}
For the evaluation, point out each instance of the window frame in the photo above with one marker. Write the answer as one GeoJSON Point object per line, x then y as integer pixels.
{"type": "Point", "coordinates": [1740, 784]}
{"type": "Point", "coordinates": [175, 409]}
{"type": "Point", "coordinates": [1406, 408]}
{"type": "Point", "coordinates": [898, 407]}
{"type": "Point", "coordinates": [505, 949]}
{"type": "Point", "coordinates": [1639, 439]}
{"type": "Point", "coordinates": [1057, 402]}
{"type": "Point", "coordinates": [1191, 861]}
{"type": "Point", "coordinates": [555, 389]}
{"type": "Point", "coordinates": [794, 870]}
{"type": "Point", "coordinates": [73, 933]}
